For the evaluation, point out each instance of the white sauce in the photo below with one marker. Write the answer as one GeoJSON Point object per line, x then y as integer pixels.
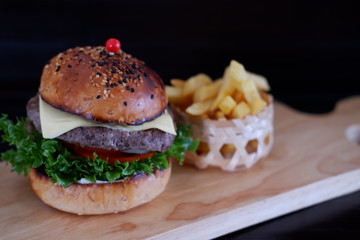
{"type": "Point", "coordinates": [85, 181]}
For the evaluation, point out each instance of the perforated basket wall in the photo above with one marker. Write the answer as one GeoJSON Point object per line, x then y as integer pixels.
{"type": "Point", "coordinates": [249, 139]}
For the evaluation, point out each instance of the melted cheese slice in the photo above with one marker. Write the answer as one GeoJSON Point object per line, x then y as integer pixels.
{"type": "Point", "coordinates": [55, 122]}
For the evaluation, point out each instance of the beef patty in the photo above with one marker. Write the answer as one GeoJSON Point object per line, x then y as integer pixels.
{"type": "Point", "coordinates": [106, 138]}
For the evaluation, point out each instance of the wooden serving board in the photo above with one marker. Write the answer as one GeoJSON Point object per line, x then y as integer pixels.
{"type": "Point", "coordinates": [312, 161]}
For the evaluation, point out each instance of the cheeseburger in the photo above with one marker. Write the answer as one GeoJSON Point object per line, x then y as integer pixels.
{"type": "Point", "coordinates": [98, 135]}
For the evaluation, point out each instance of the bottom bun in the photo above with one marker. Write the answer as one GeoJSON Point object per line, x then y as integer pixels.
{"type": "Point", "coordinates": [100, 198]}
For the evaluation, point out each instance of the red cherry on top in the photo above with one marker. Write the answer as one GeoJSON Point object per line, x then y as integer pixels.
{"type": "Point", "coordinates": [113, 45]}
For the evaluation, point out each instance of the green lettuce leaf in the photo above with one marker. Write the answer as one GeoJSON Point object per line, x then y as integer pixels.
{"type": "Point", "coordinates": [31, 150]}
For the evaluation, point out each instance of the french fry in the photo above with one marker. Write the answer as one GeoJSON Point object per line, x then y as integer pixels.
{"type": "Point", "coordinates": [219, 114]}
{"type": "Point", "coordinates": [206, 92]}
{"type": "Point", "coordinates": [194, 83]}
{"type": "Point", "coordinates": [252, 146]}
{"type": "Point", "coordinates": [174, 94]}
{"type": "Point", "coordinates": [178, 83]}
{"type": "Point", "coordinates": [227, 105]}
{"type": "Point", "coordinates": [240, 110]}
{"type": "Point", "coordinates": [257, 105]}
{"type": "Point", "coordinates": [265, 97]}
{"type": "Point", "coordinates": [219, 81]}
{"type": "Point", "coordinates": [203, 148]}
{"type": "Point", "coordinates": [238, 96]}
{"type": "Point", "coordinates": [249, 89]}
{"type": "Point", "coordinates": [228, 150]}
{"type": "Point", "coordinates": [237, 71]}
{"type": "Point", "coordinates": [199, 108]}
{"type": "Point", "coordinates": [226, 89]}
{"type": "Point", "coordinates": [260, 81]}
{"type": "Point", "coordinates": [233, 76]}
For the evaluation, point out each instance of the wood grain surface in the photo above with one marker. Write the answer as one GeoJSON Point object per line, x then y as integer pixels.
{"type": "Point", "coordinates": [312, 161]}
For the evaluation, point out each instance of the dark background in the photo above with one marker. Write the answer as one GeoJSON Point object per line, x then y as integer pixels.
{"type": "Point", "coordinates": [308, 50]}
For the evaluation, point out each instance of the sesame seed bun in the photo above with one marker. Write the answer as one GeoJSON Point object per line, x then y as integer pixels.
{"type": "Point", "coordinates": [89, 82]}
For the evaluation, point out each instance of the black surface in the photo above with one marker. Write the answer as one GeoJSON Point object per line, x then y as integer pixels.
{"type": "Point", "coordinates": [308, 50]}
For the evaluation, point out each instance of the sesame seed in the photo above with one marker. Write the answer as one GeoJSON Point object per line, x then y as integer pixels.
{"type": "Point", "coordinates": [69, 66]}
{"type": "Point", "coordinates": [125, 103]}
{"type": "Point", "coordinates": [152, 96]}
{"type": "Point", "coordinates": [128, 87]}
{"type": "Point", "coordinates": [132, 90]}
{"type": "Point", "coordinates": [98, 96]}
{"type": "Point", "coordinates": [57, 69]}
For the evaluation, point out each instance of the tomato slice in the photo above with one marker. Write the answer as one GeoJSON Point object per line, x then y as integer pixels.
{"type": "Point", "coordinates": [110, 155]}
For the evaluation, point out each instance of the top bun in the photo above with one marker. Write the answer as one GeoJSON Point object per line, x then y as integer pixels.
{"type": "Point", "coordinates": [89, 82]}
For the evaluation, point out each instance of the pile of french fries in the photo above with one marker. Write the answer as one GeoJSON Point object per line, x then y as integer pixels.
{"type": "Point", "coordinates": [237, 94]}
